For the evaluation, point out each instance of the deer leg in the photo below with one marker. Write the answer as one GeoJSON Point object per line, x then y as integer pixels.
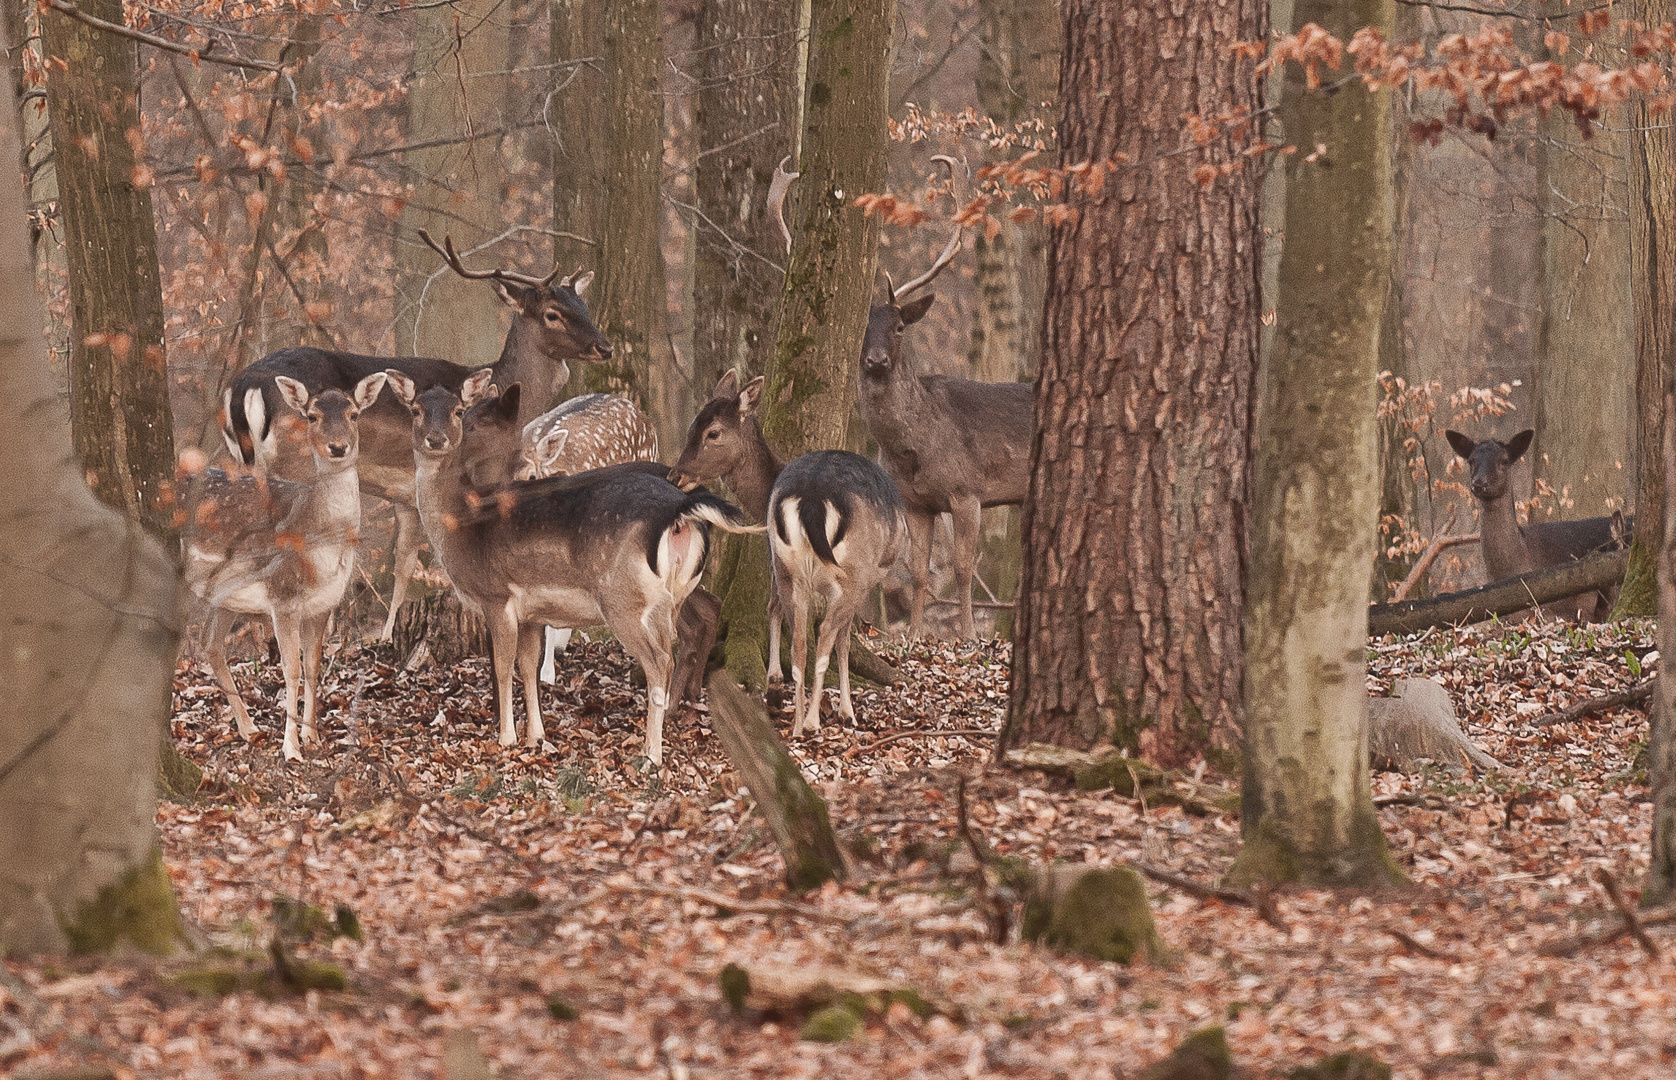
{"type": "Point", "coordinates": [799, 652]}
{"type": "Point", "coordinates": [288, 631]}
{"type": "Point", "coordinates": [838, 615]}
{"type": "Point", "coordinates": [648, 635]}
{"type": "Point", "coordinates": [554, 640]}
{"type": "Point", "coordinates": [530, 641]}
{"type": "Point", "coordinates": [920, 527]}
{"type": "Point", "coordinates": [503, 644]}
{"type": "Point", "coordinates": [314, 643]}
{"type": "Point", "coordinates": [776, 615]}
{"type": "Point", "coordinates": [409, 534]}
{"type": "Point", "coordinates": [221, 621]}
{"type": "Point", "coordinates": [695, 629]}
{"type": "Point", "coordinates": [846, 708]}
{"type": "Point", "coordinates": [967, 513]}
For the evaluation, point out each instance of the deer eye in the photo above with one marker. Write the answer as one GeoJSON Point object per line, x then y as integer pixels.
{"type": "Point", "coordinates": [553, 318]}
{"type": "Point", "coordinates": [713, 434]}
{"type": "Point", "coordinates": [459, 412]}
{"type": "Point", "coordinates": [354, 416]}
{"type": "Point", "coordinates": [314, 418]}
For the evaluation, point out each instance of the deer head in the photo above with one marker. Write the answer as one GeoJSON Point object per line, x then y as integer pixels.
{"type": "Point", "coordinates": [717, 438]}
{"type": "Point", "coordinates": [1489, 461]}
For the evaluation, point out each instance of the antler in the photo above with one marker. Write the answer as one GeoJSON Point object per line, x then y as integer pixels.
{"type": "Point", "coordinates": [777, 189]}
{"type": "Point", "coordinates": [447, 252]}
{"type": "Point", "coordinates": [949, 249]}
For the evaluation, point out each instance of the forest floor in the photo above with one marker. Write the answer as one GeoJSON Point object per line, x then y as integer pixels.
{"type": "Point", "coordinates": [555, 913]}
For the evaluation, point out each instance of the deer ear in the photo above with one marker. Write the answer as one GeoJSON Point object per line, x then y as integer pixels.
{"type": "Point", "coordinates": [751, 396]}
{"type": "Point", "coordinates": [292, 392]}
{"type": "Point", "coordinates": [727, 386]}
{"type": "Point", "coordinates": [511, 297]}
{"type": "Point", "coordinates": [580, 285]}
{"type": "Point", "coordinates": [1518, 444]}
{"type": "Point", "coordinates": [401, 386]}
{"type": "Point", "coordinates": [550, 446]}
{"type": "Point", "coordinates": [509, 400]}
{"type": "Point", "coordinates": [1460, 443]}
{"type": "Point", "coordinates": [368, 389]}
{"type": "Point", "coordinates": [915, 310]}
{"type": "Point", "coordinates": [476, 386]}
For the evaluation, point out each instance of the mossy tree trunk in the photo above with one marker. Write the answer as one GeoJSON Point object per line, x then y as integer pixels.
{"type": "Point", "coordinates": [1307, 806]}
{"type": "Point", "coordinates": [829, 278]}
{"type": "Point", "coordinates": [119, 390]}
{"type": "Point", "coordinates": [1128, 627]}
{"type": "Point", "coordinates": [88, 598]}
{"type": "Point", "coordinates": [1652, 216]}
{"type": "Point", "coordinates": [1660, 886]}
{"type": "Point", "coordinates": [622, 96]}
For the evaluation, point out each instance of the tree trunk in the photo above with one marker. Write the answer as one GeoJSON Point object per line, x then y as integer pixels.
{"type": "Point", "coordinates": [88, 599]}
{"type": "Point", "coordinates": [1585, 435]}
{"type": "Point", "coordinates": [457, 188]}
{"type": "Point", "coordinates": [578, 122]}
{"type": "Point", "coordinates": [1307, 808]}
{"type": "Point", "coordinates": [1652, 176]}
{"type": "Point", "coordinates": [119, 391]}
{"type": "Point", "coordinates": [1660, 886]}
{"type": "Point", "coordinates": [747, 119]}
{"type": "Point", "coordinates": [829, 278]}
{"type": "Point", "coordinates": [299, 228]}
{"type": "Point", "coordinates": [1128, 625]}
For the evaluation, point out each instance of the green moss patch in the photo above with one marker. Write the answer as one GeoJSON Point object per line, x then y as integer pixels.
{"type": "Point", "coordinates": [1351, 1065]}
{"type": "Point", "coordinates": [139, 910]}
{"type": "Point", "coordinates": [1102, 913]}
{"type": "Point", "coordinates": [835, 1023]}
{"type": "Point", "coordinates": [1203, 1055]}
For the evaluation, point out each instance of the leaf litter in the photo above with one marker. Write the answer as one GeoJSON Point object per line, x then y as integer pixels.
{"type": "Point", "coordinates": [562, 912]}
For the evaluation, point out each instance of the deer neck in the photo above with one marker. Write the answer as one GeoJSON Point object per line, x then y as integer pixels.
{"type": "Point", "coordinates": [753, 478]}
{"type": "Point", "coordinates": [522, 360]}
{"type": "Point", "coordinates": [1502, 541]}
{"type": "Point", "coordinates": [334, 501]}
{"type": "Point", "coordinates": [894, 405]}
{"type": "Point", "coordinates": [440, 492]}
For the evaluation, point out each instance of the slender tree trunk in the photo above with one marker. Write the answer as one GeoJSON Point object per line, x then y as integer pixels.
{"type": "Point", "coordinates": [1652, 183]}
{"type": "Point", "coordinates": [829, 279]}
{"type": "Point", "coordinates": [119, 389]}
{"type": "Point", "coordinates": [578, 121]}
{"type": "Point", "coordinates": [1307, 809]}
{"type": "Point", "coordinates": [1585, 379]}
{"type": "Point", "coordinates": [299, 228]}
{"type": "Point", "coordinates": [1660, 886]}
{"type": "Point", "coordinates": [1128, 625]}
{"type": "Point", "coordinates": [88, 601]}
{"type": "Point", "coordinates": [458, 187]}
{"type": "Point", "coordinates": [747, 117]}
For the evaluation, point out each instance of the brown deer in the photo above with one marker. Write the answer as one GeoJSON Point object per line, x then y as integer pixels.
{"type": "Point", "coordinates": [266, 546]}
{"type": "Point", "coordinates": [835, 527]}
{"type": "Point", "coordinates": [620, 546]}
{"type": "Point", "coordinates": [550, 327]}
{"type": "Point", "coordinates": [1510, 548]}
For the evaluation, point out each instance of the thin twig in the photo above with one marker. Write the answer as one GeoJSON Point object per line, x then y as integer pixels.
{"type": "Point", "coordinates": [1412, 945]}
{"type": "Point", "coordinates": [197, 55]}
{"type": "Point", "coordinates": [1424, 562]}
{"type": "Point", "coordinates": [863, 748]}
{"type": "Point", "coordinates": [1631, 924]}
{"type": "Point", "coordinates": [1632, 696]}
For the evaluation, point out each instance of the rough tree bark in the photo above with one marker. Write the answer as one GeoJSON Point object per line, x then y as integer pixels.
{"type": "Point", "coordinates": [628, 298]}
{"type": "Point", "coordinates": [829, 276]}
{"type": "Point", "coordinates": [1307, 804]}
{"type": "Point", "coordinates": [88, 601]}
{"type": "Point", "coordinates": [458, 189]}
{"type": "Point", "coordinates": [299, 237]}
{"type": "Point", "coordinates": [119, 390]}
{"type": "Point", "coordinates": [1652, 216]}
{"type": "Point", "coordinates": [1128, 627]}
{"type": "Point", "coordinates": [1660, 886]}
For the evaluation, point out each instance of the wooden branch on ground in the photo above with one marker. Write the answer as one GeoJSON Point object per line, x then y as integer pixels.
{"type": "Point", "coordinates": [1411, 944]}
{"type": "Point", "coordinates": [1424, 562]}
{"type": "Point", "coordinates": [1633, 696]}
{"type": "Point", "coordinates": [1262, 904]}
{"type": "Point", "coordinates": [1504, 597]}
{"type": "Point", "coordinates": [795, 815]}
{"type": "Point", "coordinates": [1632, 925]}
{"type": "Point", "coordinates": [1571, 946]}
{"type": "Point", "coordinates": [867, 748]}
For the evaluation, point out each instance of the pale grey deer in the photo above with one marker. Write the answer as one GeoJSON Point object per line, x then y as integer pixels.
{"type": "Point", "coordinates": [620, 546]}
{"type": "Point", "coordinates": [261, 545]}
{"type": "Point", "coordinates": [550, 327]}
{"type": "Point", "coordinates": [836, 526]}
{"type": "Point", "coordinates": [1510, 548]}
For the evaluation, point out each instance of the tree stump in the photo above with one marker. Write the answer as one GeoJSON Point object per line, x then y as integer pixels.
{"type": "Point", "coordinates": [439, 622]}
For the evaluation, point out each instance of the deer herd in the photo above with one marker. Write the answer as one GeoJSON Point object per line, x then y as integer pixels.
{"type": "Point", "coordinates": [564, 518]}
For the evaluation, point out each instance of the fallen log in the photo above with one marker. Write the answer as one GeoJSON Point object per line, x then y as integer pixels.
{"type": "Point", "coordinates": [1504, 597]}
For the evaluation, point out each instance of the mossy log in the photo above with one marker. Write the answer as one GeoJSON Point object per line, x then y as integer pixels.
{"type": "Point", "coordinates": [795, 815]}
{"type": "Point", "coordinates": [1504, 597]}
{"type": "Point", "coordinates": [1203, 1055]}
{"type": "Point", "coordinates": [1100, 912]}
{"type": "Point", "coordinates": [1106, 767]}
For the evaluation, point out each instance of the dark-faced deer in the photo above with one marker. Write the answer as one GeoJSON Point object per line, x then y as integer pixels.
{"type": "Point", "coordinates": [550, 327]}
{"type": "Point", "coordinates": [836, 527]}
{"type": "Point", "coordinates": [266, 546]}
{"type": "Point", "coordinates": [620, 546]}
{"type": "Point", "coordinates": [1510, 548]}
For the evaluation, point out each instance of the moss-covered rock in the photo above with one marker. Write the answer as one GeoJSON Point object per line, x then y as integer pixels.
{"type": "Point", "coordinates": [177, 777]}
{"type": "Point", "coordinates": [1351, 1065]}
{"type": "Point", "coordinates": [1102, 913]}
{"type": "Point", "coordinates": [299, 921]}
{"type": "Point", "coordinates": [835, 1023]}
{"type": "Point", "coordinates": [1203, 1055]}
{"type": "Point", "coordinates": [736, 987]}
{"type": "Point", "coordinates": [139, 910]}
{"type": "Point", "coordinates": [559, 1007]}
{"type": "Point", "coordinates": [1639, 593]}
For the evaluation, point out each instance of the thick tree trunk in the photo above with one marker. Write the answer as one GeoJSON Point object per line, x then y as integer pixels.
{"type": "Point", "coordinates": [458, 188]}
{"type": "Point", "coordinates": [578, 122]}
{"type": "Point", "coordinates": [1585, 380]}
{"type": "Point", "coordinates": [829, 280]}
{"type": "Point", "coordinates": [1307, 807]}
{"type": "Point", "coordinates": [88, 600]}
{"type": "Point", "coordinates": [1135, 525]}
{"type": "Point", "coordinates": [1652, 215]}
{"type": "Point", "coordinates": [119, 390]}
{"type": "Point", "coordinates": [747, 121]}
{"type": "Point", "coordinates": [1660, 886]}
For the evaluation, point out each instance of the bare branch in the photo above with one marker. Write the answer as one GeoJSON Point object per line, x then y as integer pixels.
{"type": "Point", "coordinates": [197, 55]}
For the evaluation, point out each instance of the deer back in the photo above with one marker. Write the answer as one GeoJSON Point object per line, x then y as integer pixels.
{"type": "Point", "coordinates": [841, 508]}
{"type": "Point", "coordinates": [586, 432]}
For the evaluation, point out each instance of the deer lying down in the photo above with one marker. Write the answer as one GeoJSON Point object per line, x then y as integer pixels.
{"type": "Point", "coordinates": [617, 546]}
{"type": "Point", "coordinates": [270, 547]}
{"type": "Point", "coordinates": [1510, 548]}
